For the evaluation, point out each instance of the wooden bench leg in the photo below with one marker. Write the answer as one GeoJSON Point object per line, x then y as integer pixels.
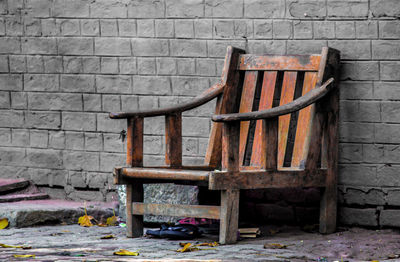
{"type": "Point", "coordinates": [134, 223]}
{"type": "Point", "coordinates": [229, 216]}
{"type": "Point", "coordinates": [328, 208]}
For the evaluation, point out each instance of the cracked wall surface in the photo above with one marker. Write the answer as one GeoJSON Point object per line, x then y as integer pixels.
{"type": "Point", "coordinates": [65, 64]}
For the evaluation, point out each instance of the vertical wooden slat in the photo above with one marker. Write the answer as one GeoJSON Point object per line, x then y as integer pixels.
{"type": "Point", "coordinates": [269, 144]}
{"type": "Point", "coordinates": [173, 140]}
{"type": "Point", "coordinates": [288, 88]}
{"type": "Point", "coordinates": [246, 105]}
{"type": "Point", "coordinates": [134, 191]}
{"type": "Point", "coordinates": [214, 149]}
{"type": "Point", "coordinates": [266, 101]}
{"type": "Point", "coordinates": [303, 130]}
{"type": "Point", "coordinates": [230, 146]}
{"type": "Point", "coordinates": [134, 143]}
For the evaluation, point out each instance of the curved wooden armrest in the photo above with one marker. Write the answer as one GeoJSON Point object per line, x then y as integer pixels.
{"type": "Point", "coordinates": [295, 105]}
{"type": "Point", "coordinates": [201, 99]}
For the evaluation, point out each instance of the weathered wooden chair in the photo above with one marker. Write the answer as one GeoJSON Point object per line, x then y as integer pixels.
{"type": "Point", "coordinates": [254, 140]}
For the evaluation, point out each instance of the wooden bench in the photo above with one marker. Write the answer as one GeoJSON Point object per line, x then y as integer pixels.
{"type": "Point", "coordinates": [275, 126]}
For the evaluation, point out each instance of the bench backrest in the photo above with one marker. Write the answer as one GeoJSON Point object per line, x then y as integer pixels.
{"type": "Point", "coordinates": [259, 82]}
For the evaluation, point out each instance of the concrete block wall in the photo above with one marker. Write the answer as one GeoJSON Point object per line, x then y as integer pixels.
{"type": "Point", "coordinates": [64, 64]}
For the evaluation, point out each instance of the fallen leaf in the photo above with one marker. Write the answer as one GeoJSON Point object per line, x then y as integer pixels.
{"type": "Point", "coordinates": [3, 223]}
{"type": "Point", "coordinates": [112, 221]}
{"type": "Point", "coordinates": [212, 244]}
{"type": "Point", "coordinates": [101, 225]}
{"type": "Point", "coordinates": [107, 237]}
{"type": "Point", "coordinates": [24, 255]}
{"type": "Point", "coordinates": [85, 220]}
{"type": "Point", "coordinates": [274, 246]}
{"type": "Point", "coordinates": [124, 252]}
{"type": "Point", "coordinates": [186, 248]}
{"type": "Point", "coordinates": [9, 246]}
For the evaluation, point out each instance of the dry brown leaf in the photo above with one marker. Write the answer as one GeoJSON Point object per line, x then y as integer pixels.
{"type": "Point", "coordinates": [274, 246]}
{"type": "Point", "coordinates": [124, 252]}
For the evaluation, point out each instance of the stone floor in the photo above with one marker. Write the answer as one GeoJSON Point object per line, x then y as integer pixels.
{"type": "Point", "coordinates": [75, 243]}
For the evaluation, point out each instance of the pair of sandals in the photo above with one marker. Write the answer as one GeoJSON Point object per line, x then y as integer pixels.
{"type": "Point", "coordinates": [185, 231]}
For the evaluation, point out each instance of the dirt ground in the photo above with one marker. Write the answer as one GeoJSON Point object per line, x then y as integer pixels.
{"type": "Point", "coordinates": [76, 243]}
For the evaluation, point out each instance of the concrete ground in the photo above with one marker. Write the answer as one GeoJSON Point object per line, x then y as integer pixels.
{"type": "Point", "coordinates": [76, 243]}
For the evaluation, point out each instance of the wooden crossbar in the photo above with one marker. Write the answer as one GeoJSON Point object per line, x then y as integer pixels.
{"type": "Point", "coordinates": [275, 63]}
{"type": "Point", "coordinates": [212, 212]}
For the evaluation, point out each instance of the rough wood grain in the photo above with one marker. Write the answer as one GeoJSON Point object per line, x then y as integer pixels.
{"type": "Point", "coordinates": [214, 150]}
{"type": "Point", "coordinates": [284, 63]}
{"type": "Point", "coordinates": [229, 218]}
{"type": "Point", "coordinates": [328, 204]}
{"type": "Point", "coordinates": [134, 142]}
{"type": "Point", "coordinates": [288, 88]}
{"type": "Point", "coordinates": [246, 105]}
{"type": "Point", "coordinates": [163, 173]}
{"type": "Point", "coordinates": [230, 146]}
{"type": "Point", "coordinates": [134, 193]}
{"type": "Point", "coordinates": [173, 140]}
{"type": "Point", "coordinates": [269, 144]}
{"type": "Point", "coordinates": [220, 180]}
{"type": "Point", "coordinates": [212, 212]}
{"type": "Point", "coordinates": [266, 101]}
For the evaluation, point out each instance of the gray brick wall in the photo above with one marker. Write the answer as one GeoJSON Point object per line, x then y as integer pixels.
{"type": "Point", "coordinates": [65, 63]}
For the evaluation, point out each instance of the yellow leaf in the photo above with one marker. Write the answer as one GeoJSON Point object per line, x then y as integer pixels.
{"type": "Point", "coordinates": [85, 221]}
{"type": "Point", "coordinates": [112, 221]}
{"type": "Point", "coordinates": [24, 255]}
{"type": "Point", "coordinates": [212, 244]}
{"type": "Point", "coordinates": [101, 225]}
{"type": "Point", "coordinates": [3, 223]}
{"type": "Point", "coordinates": [107, 237]}
{"type": "Point", "coordinates": [274, 246]}
{"type": "Point", "coordinates": [124, 252]}
{"type": "Point", "coordinates": [9, 246]}
{"type": "Point", "coordinates": [186, 248]}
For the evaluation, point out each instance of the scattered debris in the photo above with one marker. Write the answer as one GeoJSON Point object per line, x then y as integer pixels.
{"type": "Point", "coordinates": [124, 252]}
{"type": "Point", "coordinates": [249, 232]}
{"type": "Point", "coordinates": [274, 246]}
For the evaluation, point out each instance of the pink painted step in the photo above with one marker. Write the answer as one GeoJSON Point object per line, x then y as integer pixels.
{"type": "Point", "coordinates": [21, 197]}
{"type": "Point", "coordinates": [7, 185]}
